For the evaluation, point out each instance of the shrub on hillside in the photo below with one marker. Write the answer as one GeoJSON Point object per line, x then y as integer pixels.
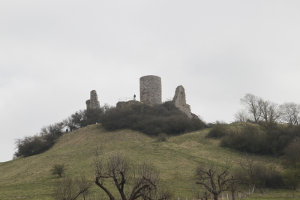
{"type": "Point", "coordinates": [260, 176]}
{"type": "Point", "coordinates": [152, 120]}
{"type": "Point", "coordinates": [218, 131]}
{"type": "Point", "coordinates": [248, 139]}
{"type": "Point", "coordinates": [51, 133]}
{"type": "Point", "coordinates": [162, 137]}
{"type": "Point", "coordinates": [58, 170]}
{"type": "Point", "coordinates": [255, 139]}
{"type": "Point", "coordinates": [93, 116]}
{"type": "Point", "coordinates": [31, 145]}
{"type": "Point", "coordinates": [292, 178]}
{"type": "Point", "coordinates": [37, 144]}
{"type": "Point", "coordinates": [292, 152]}
{"type": "Point", "coordinates": [76, 120]}
{"type": "Point", "coordinates": [83, 118]}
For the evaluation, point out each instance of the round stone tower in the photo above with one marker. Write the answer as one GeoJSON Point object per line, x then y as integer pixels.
{"type": "Point", "coordinates": [93, 102]}
{"type": "Point", "coordinates": [150, 90]}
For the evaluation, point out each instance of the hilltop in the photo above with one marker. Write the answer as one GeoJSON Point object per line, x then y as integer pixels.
{"type": "Point", "coordinates": [176, 159]}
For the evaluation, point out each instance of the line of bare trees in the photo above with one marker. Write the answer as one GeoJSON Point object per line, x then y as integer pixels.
{"type": "Point", "coordinates": [118, 178]}
{"type": "Point", "coordinates": [129, 181]}
{"type": "Point", "coordinates": [241, 182]}
{"type": "Point", "coordinates": [258, 110]}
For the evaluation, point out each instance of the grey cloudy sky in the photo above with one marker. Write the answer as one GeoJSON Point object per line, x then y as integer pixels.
{"type": "Point", "coordinates": [53, 52]}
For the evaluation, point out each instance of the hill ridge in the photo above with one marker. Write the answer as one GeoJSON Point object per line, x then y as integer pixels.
{"type": "Point", "coordinates": [176, 160]}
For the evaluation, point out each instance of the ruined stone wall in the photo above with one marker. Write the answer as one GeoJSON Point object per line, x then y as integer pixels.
{"type": "Point", "coordinates": [180, 101]}
{"type": "Point", "coordinates": [150, 90]}
{"type": "Point", "coordinates": [93, 102]}
{"type": "Point", "coordinates": [126, 104]}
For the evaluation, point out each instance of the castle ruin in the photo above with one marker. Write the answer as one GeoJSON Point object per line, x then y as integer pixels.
{"type": "Point", "coordinates": [150, 90]}
{"type": "Point", "coordinates": [150, 94]}
{"type": "Point", "coordinates": [179, 101]}
{"type": "Point", "coordinates": [93, 102]}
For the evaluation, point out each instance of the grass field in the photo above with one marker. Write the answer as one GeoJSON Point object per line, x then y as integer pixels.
{"type": "Point", "coordinates": [30, 178]}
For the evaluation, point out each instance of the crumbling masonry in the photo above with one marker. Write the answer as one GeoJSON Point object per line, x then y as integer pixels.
{"type": "Point", "coordinates": [180, 101]}
{"type": "Point", "coordinates": [150, 94]}
{"type": "Point", "coordinates": [93, 103]}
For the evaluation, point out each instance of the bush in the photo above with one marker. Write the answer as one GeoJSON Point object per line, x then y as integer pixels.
{"type": "Point", "coordinates": [292, 178]}
{"type": "Point", "coordinates": [83, 118]}
{"type": "Point", "coordinates": [261, 176]}
{"type": "Point", "coordinates": [76, 120]}
{"type": "Point", "coordinates": [31, 145]}
{"type": "Point", "coordinates": [37, 144]}
{"type": "Point", "coordinates": [93, 116]}
{"type": "Point", "coordinates": [162, 137]}
{"type": "Point", "coordinates": [248, 139]}
{"type": "Point", "coordinates": [218, 131]}
{"type": "Point", "coordinates": [152, 120]}
{"type": "Point", "coordinates": [255, 139]}
{"type": "Point", "coordinates": [267, 177]}
{"type": "Point", "coordinates": [292, 152]}
{"type": "Point", "coordinates": [58, 170]}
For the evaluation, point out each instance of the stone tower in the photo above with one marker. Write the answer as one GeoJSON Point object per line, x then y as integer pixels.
{"type": "Point", "coordinates": [93, 103]}
{"type": "Point", "coordinates": [180, 101]}
{"type": "Point", "coordinates": [150, 90]}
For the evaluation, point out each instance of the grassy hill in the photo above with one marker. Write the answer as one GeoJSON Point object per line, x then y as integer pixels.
{"type": "Point", "coordinates": [30, 178]}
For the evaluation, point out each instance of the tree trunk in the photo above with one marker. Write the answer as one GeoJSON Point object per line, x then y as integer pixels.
{"type": "Point", "coordinates": [215, 197]}
{"type": "Point", "coordinates": [232, 195]}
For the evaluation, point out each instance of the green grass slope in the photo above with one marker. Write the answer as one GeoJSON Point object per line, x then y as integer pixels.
{"type": "Point", "coordinates": [30, 178]}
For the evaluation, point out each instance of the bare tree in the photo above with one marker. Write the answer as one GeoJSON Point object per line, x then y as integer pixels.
{"type": "Point", "coordinates": [260, 110]}
{"type": "Point", "coordinates": [274, 113]}
{"type": "Point", "coordinates": [290, 113]}
{"type": "Point", "coordinates": [214, 179]}
{"type": "Point", "coordinates": [83, 185]}
{"type": "Point", "coordinates": [241, 116]}
{"type": "Point", "coordinates": [131, 182]}
{"type": "Point", "coordinates": [248, 177]}
{"type": "Point", "coordinates": [269, 111]}
{"type": "Point", "coordinates": [234, 186]}
{"type": "Point", "coordinates": [71, 189]}
{"type": "Point", "coordinates": [253, 106]}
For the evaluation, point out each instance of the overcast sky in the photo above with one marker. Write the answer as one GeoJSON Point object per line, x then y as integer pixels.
{"type": "Point", "coordinates": [53, 52]}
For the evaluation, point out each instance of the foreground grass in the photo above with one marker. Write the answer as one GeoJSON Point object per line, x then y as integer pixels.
{"type": "Point", "coordinates": [176, 159]}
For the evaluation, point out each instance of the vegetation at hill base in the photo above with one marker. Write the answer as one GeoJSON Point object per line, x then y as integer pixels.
{"type": "Point", "coordinates": [252, 138]}
{"type": "Point", "coordinates": [258, 152]}
{"type": "Point", "coordinates": [176, 160]}
{"type": "Point", "coordinates": [263, 128]}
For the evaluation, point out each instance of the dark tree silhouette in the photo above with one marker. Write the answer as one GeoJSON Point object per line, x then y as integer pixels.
{"type": "Point", "coordinates": [215, 180]}
{"type": "Point", "coordinates": [131, 182]}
